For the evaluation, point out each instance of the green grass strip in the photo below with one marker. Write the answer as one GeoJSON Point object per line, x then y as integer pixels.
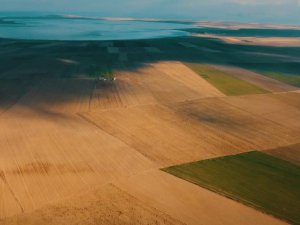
{"type": "Point", "coordinates": [256, 179]}
{"type": "Point", "coordinates": [227, 84]}
{"type": "Point", "coordinates": [291, 79]}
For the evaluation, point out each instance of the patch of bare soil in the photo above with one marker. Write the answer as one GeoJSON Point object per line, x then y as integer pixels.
{"type": "Point", "coordinates": [290, 153]}
{"type": "Point", "coordinates": [231, 120]}
{"type": "Point", "coordinates": [279, 108]}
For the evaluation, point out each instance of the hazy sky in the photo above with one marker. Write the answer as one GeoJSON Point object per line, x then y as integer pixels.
{"type": "Point", "coordinates": [276, 11]}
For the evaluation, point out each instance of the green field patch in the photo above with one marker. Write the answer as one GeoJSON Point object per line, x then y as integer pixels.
{"type": "Point", "coordinates": [227, 84]}
{"type": "Point", "coordinates": [291, 79]}
{"type": "Point", "coordinates": [264, 182]}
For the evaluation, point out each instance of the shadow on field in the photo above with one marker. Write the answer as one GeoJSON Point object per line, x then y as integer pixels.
{"type": "Point", "coordinates": [25, 65]}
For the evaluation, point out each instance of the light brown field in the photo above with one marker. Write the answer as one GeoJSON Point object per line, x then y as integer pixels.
{"type": "Point", "coordinates": [262, 41]}
{"type": "Point", "coordinates": [290, 153]}
{"type": "Point", "coordinates": [236, 25]}
{"type": "Point", "coordinates": [164, 137]}
{"type": "Point", "coordinates": [192, 130]}
{"type": "Point", "coordinates": [191, 203]}
{"type": "Point", "coordinates": [275, 108]}
{"type": "Point", "coordinates": [145, 199]}
{"type": "Point", "coordinates": [181, 73]}
{"type": "Point", "coordinates": [215, 114]}
{"type": "Point", "coordinates": [151, 84]}
{"type": "Point", "coordinates": [56, 158]}
{"type": "Point", "coordinates": [83, 151]}
{"type": "Point", "coordinates": [105, 205]}
{"type": "Point", "coordinates": [289, 98]}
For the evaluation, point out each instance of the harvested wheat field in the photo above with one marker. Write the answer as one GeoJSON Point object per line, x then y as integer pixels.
{"type": "Point", "coordinates": [182, 132]}
{"type": "Point", "coordinates": [85, 131]}
{"type": "Point", "coordinates": [291, 98]}
{"type": "Point", "coordinates": [279, 108]}
{"type": "Point", "coordinates": [125, 202]}
{"type": "Point", "coordinates": [290, 153]}
{"type": "Point", "coordinates": [151, 84]}
{"type": "Point", "coordinates": [95, 207]}
{"type": "Point", "coordinates": [189, 203]}
{"type": "Point", "coordinates": [57, 158]}
{"type": "Point", "coordinates": [163, 136]}
{"type": "Point", "coordinates": [175, 70]}
{"type": "Point", "coordinates": [230, 120]}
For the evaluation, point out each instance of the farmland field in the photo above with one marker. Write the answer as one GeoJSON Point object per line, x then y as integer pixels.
{"type": "Point", "coordinates": [265, 82]}
{"type": "Point", "coordinates": [290, 153]}
{"type": "Point", "coordinates": [227, 84]}
{"type": "Point", "coordinates": [96, 207]}
{"type": "Point", "coordinates": [86, 126]}
{"type": "Point", "coordinates": [249, 178]}
{"type": "Point", "coordinates": [291, 79]}
{"type": "Point", "coordinates": [270, 107]}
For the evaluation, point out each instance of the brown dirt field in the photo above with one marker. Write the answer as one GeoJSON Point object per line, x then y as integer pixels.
{"type": "Point", "coordinates": [164, 137]}
{"type": "Point", "coordinates": [54, 158]}
{"type": "Point", "coordinates": [166, 89]}
{"type": "Point", "coordinates": [292, 98]}
{"type": "Point", "coordinates": [290, 153]}
{"type": "Point", "coordinates": [258, 104]}
{"type": "Point", "coordinates": [180, 72]}
{"type": "Point", "coordinates": [256, 79]}
{"type": "Point", "coordinates": [288, 118]}
{"type": "Point", "coordinates": [192, 130]}
{"type": "Point", "coordinates": [152, 84]}
{"type": "Point", "coordinates": [106, 205]}
{"type": "Point", "coordinates": [270, 107]}
{"type": "Point", "coordinates": [128, 90]}
{"type": "Point", "coordinates": [216, 114]}
{"type": "Point", "coordinates": [191, 203]}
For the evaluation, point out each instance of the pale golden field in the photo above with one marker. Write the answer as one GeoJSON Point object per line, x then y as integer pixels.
{"type": "Point", "coordinates": [270, 41]}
